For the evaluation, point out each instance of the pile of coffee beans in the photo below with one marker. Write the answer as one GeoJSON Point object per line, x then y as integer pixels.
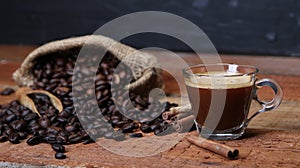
{"type": "Point", "coordinates": [55, 73]}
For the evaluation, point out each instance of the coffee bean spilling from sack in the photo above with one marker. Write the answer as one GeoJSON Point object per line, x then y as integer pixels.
{"type": "Point", "coordinates": [54, 74]}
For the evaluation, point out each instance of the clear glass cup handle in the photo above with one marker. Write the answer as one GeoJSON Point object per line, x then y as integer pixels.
{"type": "Point", "coordinates": [267, 106]}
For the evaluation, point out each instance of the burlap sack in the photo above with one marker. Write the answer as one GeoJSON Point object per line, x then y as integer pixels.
{"type": "Point", "coordinates": [146, 77]}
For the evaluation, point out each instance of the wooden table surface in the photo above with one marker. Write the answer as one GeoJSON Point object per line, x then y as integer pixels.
{"type": "Point", "coordinates": [272, 138]}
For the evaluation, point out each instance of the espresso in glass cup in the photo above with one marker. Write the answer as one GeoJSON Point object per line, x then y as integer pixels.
{"type": "Point", "coordinates": [221, 95]}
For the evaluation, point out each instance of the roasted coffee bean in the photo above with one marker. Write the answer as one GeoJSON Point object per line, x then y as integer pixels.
{"type": "Point", "coordinates": [108, 135]}
{"type": "Point", "coordinates": [54, 80]}
{"type": "Point", "coordinates": [154, 127]}
{"type": "Point", "coordinates": [34, 140]}
{"type": "Point", "coordinates": [14, 138]}
{"type": "Point", "coordinates": [157, 131]}
{"type": "Point", "coordinates": [31, 116]}
{"type": "Point", "coordinates": [53, 130]}
{"type": "Point", "coordinates": [44, 122]}
{"type": "Point", "coordinates": [98, 95]}
{"type": "Point", "coordinates": [61, 119]}
{"type": "Point", "coordinates": [128, 127]}
{"type": "Point", "coordinates": [10, 118]}
{"type": "Point", "coordinates": [48, 72]}
{"type": "Point", "coordinates": [101, 130]}
{"type": "Point", "coordinates": [14, 124]}
{"type": "Point", "coordinates": [23, 135]}
{"type": "Point", "coordinates": [145, 128]}
{"type": "Point", "coordinates": [8, 131]}
{"type": "Point", "coordinates": [72, 120]}
{"type": "Point", "coordinates": [51, 87]}
{"type": "Point", "coordinates": [6, 112]}
{"type": "Point", "coordinates": [121, 123]}
{"type": "Point", "coordinates": [62, 139]}
{"type": "Point", "coordinates": [40, 132]}
{"type": "Point", "coordinates": [32, 123]}
{"type": "Point", "coordinates": [136, 135]}
{"type": "Point", "coordinates": [51, 135]}
{"type": "Point", "coordinates": [161, 131]}
{"type": "Point", "coordinates": [2, 113]}
{"type": "Point", "coordinates": [50, 139]}
{"type": "Point", "coordinates": [64, 114]}
{"type": "Point", "coordinates": [118, 136]}
{"type": "Point", "coordinates": [52, 119]}
{"type": "Point", "coordinates": [59, 155]}
{"type": "Point", "coordinates": [63, 133]}
{"type": "Point", "coordinates": [25, 112]}
{"type": "Point", "coordinates": [19, 125]}
{"type": "Point", "coordinates": [114, 122]}
{"type": "Point", "coordinates": [84, 135]}
{"type": "Point", "coordinates": [71, 128]}
{"type": "Point", "coordinates": [88, 141]}
{"type": "Point", "coordinates": [40, 84]}
{"type": "Point", "coordinates": [7, 91]}
{"type": "Point", "coordinates": [115, 117]}
{"type": "Point", "coordinates": [75, 138]}
{"type": "Point", "coordinates": [77, 125]}
{"type": "Point", "coordinates": [135, 125]}
{"type": "Point", "coordinates": [141, 102]}
{"type": "Point", "coordinates": [166, 106]}
{"type": "Point", "coordinates": [34, 128]}
{"type": "Point", "coordinates": [58, 148]}
{"type": "Point", "coordinates": [60, 61]}
{"type": "Point", "coordinates": [3, 138]}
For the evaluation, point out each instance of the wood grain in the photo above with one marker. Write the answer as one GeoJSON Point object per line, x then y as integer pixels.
{"type": "Point", "coordinates": [266, 148]}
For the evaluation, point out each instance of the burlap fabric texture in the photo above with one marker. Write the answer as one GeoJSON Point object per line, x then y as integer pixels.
{"type": "Point", "coordinates": [146, 77]}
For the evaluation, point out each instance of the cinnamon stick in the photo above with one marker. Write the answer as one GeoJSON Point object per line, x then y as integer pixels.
{"type": "Point", "coordinates": [183, 124]}
{"type": "Point", "coordinates": [184, 110]}
{"type": "Point", "coordinates": [215, 147]}
{"type": "Point", "coordinates": [180, 116]}
{"type": "Point", "coordinates": [181, 109]}
{"type": "Point", "coordinates": [168, 115]}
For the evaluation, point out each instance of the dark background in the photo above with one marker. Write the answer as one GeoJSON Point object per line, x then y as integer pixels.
{"type": "Point", "coordinates": [234, 26]}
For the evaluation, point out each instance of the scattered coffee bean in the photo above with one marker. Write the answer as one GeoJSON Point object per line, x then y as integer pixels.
{"type": "Point", "coordinates": [108, 135]}
{"type": "Point", "coordinates": [75, 138]}
{"type": "Point", "coordinates": [23, 135]}
{"type": "Point", "coordinates": [136, 135]}
{"type": "Point", "coordinates": [145, 128]}
{"type": "Point", "coordinates": [8, 131]}
{"type": "Point", "coordinates": [34, 140]}
{"type": "Point", "coordinates": [59, 155]}
{"type": "Point", "coordinates": [154, 127]}
{"type": "Point", "coordinates": [58, 148]}
{"type": "Point", "coordinates": [3, 138]}
{"type": "Point", "coordinates": [88, 141]}
{"type": "Point", "coordinates": [128, 127]}
{"type": "Point", "coordinates": [7, 91]}
{"type": "Point", "coordinates": [157, 131]}
{"type": "Point", "coordinates": [118, 136]}
{"type": "Point", "coordinates": [14, 138]}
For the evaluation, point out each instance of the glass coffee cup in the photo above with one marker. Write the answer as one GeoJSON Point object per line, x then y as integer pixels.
{"type": "Point", "coordinates": [221, 95]}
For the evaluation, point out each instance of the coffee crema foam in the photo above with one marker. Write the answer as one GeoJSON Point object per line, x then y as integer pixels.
{"type": "Point", "coordinates": [219, 80]}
